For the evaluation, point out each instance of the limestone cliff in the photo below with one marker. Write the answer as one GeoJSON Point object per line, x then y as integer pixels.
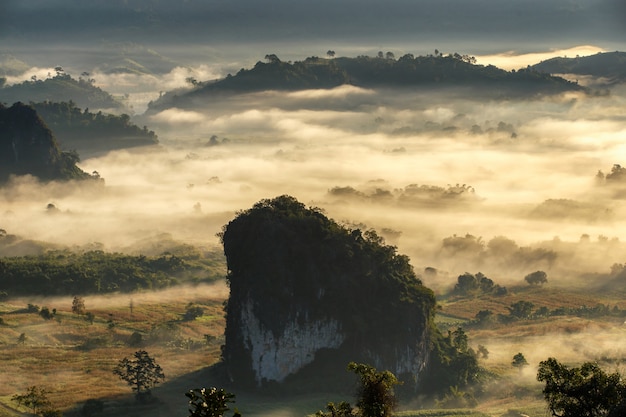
{"type": "Point", "coordinates": [309, 293]}
{"type": "Point", "coordinates": [27, 147]}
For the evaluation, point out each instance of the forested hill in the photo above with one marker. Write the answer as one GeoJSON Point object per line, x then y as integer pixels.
{"type": "Point", "coordinates": [61, 87]}
{"type": "Point", "coordinates": [610, 65]}
{"type": "Point", "coordinates": [92, 133]}
{"type": "Point", "coordinates": [27, 147]}
{"type": "Point", "coordinates": [452, 70]}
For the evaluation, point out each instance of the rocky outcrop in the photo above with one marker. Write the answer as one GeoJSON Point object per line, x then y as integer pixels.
{"type": "Point", "coordinates": [27, 147]}
{"type": "Point", "coordinates": [276, 357]}
{"type": "Point", "coordinates": [310, 294]}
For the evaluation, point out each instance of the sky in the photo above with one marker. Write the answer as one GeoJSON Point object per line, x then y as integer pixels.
{"type": "Point", "coordinates": [235, 30]}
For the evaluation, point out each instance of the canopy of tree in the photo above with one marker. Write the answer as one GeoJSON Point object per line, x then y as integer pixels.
{"type": "Point", "coordinates": [585, 391]}
{"type": "Point", "coordinates": [27, 146]}
{"type": "Point", "coordinates": [610, 65]}
{"type": "Point", "coordinates": [61, 87]}
{"type": "Point", "coordinates": [373, 72]}
{"type": "Point", "coordinates": [88, 132]}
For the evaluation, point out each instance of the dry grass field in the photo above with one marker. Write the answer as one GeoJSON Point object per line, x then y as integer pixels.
{"type": "Point", "coordinates": [73, 358]}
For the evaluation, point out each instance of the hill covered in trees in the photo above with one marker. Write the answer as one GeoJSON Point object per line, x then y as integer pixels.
{"type": "Point", "coordinates": [609, 65]}
{"type": "Point", "coordinates": [90, 133]}
{"type": "Point", "coordinates": [307, 295]}
{"type": "Point", "coordinates": [61, 87]}
{"type": "Point", "coordinates": [28, 147]}
{"type": "Point", "coordinates": [98, 272]}
{"type": "Point", "coordinates": [383, 71]}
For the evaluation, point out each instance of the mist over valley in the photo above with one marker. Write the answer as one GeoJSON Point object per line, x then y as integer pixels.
{"type": "Point", "coordinates": [178, 160]}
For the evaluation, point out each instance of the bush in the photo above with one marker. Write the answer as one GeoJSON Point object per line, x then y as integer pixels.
{"type": "Point", "coordinates": [210, 402]}
{"type": "Point", "coordinates": [135, 339]}
{"type": "Point", "coordinates": [193, 312]}
{"type": "Point", "coordinates": [46, 314]}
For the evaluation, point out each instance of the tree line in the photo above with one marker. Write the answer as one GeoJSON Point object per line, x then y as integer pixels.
{"type": "Point", "coordinates": [95, 272]}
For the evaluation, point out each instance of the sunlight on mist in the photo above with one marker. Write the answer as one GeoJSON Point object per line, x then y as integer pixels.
{"type": "Point", "coordinates": [513, 60]}
{"type": "Point", "coordinates": [531, 166]}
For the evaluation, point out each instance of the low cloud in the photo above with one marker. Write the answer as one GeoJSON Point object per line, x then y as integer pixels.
{"type": "Point", "coordinates": [515, 60]}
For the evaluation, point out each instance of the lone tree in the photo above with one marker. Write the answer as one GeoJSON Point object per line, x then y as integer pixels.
{"type": "Point", "coordinates": [536, 278]}
{"type": "Point", "coordinates": [141, 373]}
{"type": "Point", "coordinates": [35, 398]}
{"type": "Point", "coordinates": [519, 361]}
{"type": "Point", "coordinates": [587, 391]}
{"type": "Point", "coordinates": [78, 305]}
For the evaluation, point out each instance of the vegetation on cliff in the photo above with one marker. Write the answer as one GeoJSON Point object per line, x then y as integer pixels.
{"type": "Point", "coordinates": [293, 264]}
{"type": "Point", "coordinates": [28, 147]}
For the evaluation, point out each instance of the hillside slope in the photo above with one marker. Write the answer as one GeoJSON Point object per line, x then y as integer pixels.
{"type": "Point", "coordinates": [609, 65]}
{"type": "Point", "coordinates": [430, 71]}
{"type": "Point", "coordinates": [27, 147]}
{"type": "Point", "coordinates": [92, 133]}
{"type": "Point", "coordinates": [61, 87]}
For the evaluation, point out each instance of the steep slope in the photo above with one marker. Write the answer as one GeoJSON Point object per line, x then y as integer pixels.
{"type": "Point", "coordinates": [27, 147]}
{"type": "Point", "coordinates": [307, 295]}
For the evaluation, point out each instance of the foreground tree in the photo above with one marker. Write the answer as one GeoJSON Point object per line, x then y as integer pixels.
{"type": "Point", "coordinates": [142, 373]}
{"type": "Point", "coordinates": [587, 391]}
{"type": "Point", "coordinates": [211, 402]}
{"type": "Point", "coordinates": [375, 394]}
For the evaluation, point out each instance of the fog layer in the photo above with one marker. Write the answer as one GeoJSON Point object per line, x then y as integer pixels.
{"type": "Point", "coordinates": [418, 166]}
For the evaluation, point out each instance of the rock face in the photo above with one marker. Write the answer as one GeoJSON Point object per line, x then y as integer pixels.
{"type": "Point", "coordinates": [309, 293]}
{"type": "Point", "coordinates": [27, 146]}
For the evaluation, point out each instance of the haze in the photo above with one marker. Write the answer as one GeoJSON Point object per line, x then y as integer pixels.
{"type": "Point", "coordinates": [524, 170]}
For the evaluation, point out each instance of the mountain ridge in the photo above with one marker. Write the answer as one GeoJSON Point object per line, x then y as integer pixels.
{"type": "Point", "coordinates": [453, 70]}
{"type": "Point", "coordinates": [608, 65]}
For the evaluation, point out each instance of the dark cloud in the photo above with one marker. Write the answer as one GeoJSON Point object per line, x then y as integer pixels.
{"type": "Point", "coordinates": [328, 20]}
